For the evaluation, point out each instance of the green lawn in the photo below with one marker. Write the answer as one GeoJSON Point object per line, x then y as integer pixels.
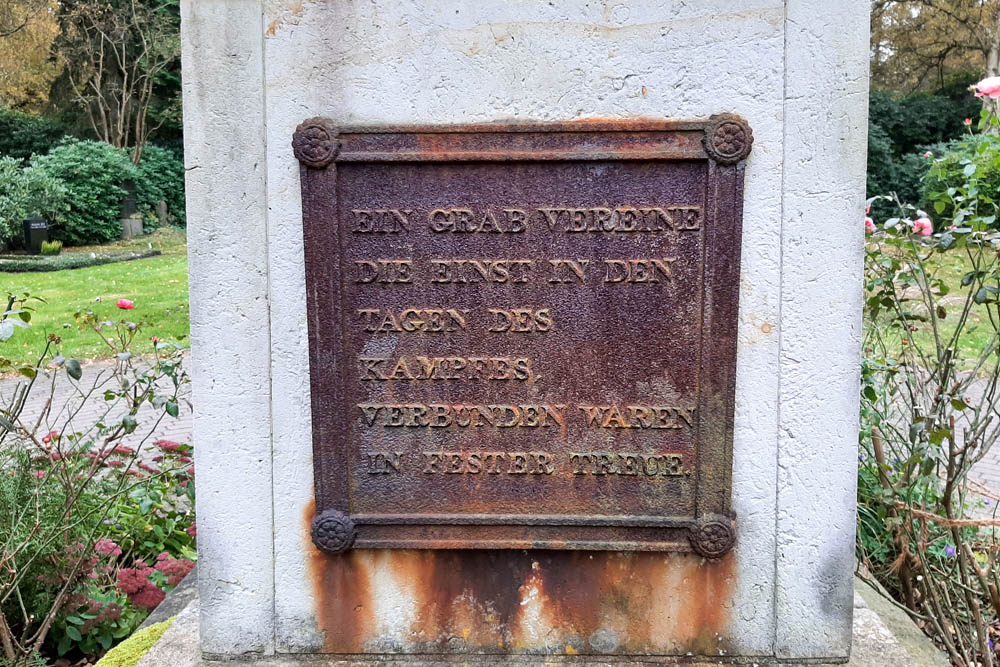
{"type": "Point", "coordinates": [158, 286]}
{"type": "Point", "coordinates": [950, 267]}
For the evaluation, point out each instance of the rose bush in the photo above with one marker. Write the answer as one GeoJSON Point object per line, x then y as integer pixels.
{"type": "Point", "coordinates": [96, 519]}
{"type": "Point", "coordinates": [930, 382]}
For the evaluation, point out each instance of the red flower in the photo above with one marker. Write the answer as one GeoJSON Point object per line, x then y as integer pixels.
{"type": "Point", "coordinates": [107, 547]}
{"type": "Point", "coordinates": [125, 304]}
{"type": "Point", "coordinates": [48, 437]}
{"type": "Point", "coordinates": [967, 121]}
{"type": "Point", "coordinates": [174, 569]}
{"type": "Point", "coordinates": [168, 445]}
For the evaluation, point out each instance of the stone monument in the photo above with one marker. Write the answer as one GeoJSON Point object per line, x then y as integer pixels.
{"type": "Point", "coordinates": [525, 331]}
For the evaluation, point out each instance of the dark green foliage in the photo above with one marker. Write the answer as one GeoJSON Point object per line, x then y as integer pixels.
{"type": "Point", "coordinates": [916, 120]}
{"type": "Point", "coordinates": [978, 157]}
{"type": "Point", "coordinates": [881, 163]}
{"type": "Point", "coordinates": [161, 178]}
{"type": "Point", "coordinates": [93, 172]}
{"type": "Point", "coordinates": [25, 192]}
{"type": "Point", "coordinates": [73, 260]}
{"type": "Point", "coordinates": [902, 128]}
{"type": "Point", "coordinates": [23, 134]}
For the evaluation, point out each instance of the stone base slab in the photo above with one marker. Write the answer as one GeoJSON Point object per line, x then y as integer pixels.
{"type": "Point", "coordinates": [883, 636]}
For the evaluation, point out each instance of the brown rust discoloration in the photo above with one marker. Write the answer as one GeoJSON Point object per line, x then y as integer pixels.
{"type": "Point", "coordinates": [343, 595]}
{"type": "Point", "coordinates": [499, 602]}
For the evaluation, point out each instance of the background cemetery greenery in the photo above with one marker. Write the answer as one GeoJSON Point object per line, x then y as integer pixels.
{"type": "Point", "coordinates": [158, 286]}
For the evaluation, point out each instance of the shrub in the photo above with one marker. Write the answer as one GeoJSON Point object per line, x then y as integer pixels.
{"type": "Point", "coordinates": [25, 192]}
{"type": "Point", "coordinates": [902, 128]}
{"type": "Point", "coordinates": [23, 134]}
{"type": "Point", "coordinates": [976, 156]}
{"type": "Point", "coordinates": [161, 178]}
{"type": "Point", "coordinates": [51, 247]}
{"type": "Point", "coordinates": [73, 260]}
{"type": "Point", "coordinates": [928, 403]}
{"type": "Point", "coordinates": [95, 528]}
{"type": "Point", "coordinates": [919, 119]}
{"type": "Point", "coordinates": [93, 173]}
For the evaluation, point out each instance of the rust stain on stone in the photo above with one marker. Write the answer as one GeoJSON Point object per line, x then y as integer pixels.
{"type": "Point", "coordinates": [289, 13]}
{"type": "Point", "coordinates": [343, 595]}
{"type": "Point", "coordinates": [500, 602]}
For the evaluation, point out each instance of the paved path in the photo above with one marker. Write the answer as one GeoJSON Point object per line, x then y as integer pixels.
{"type": "Point", "coordinates": [66, 399]}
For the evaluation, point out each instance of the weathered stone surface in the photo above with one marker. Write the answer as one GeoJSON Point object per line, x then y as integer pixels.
{"type": "Point", "coordinates": [882, 636]}
{"type": "Point", "coordinates": [798, 79]}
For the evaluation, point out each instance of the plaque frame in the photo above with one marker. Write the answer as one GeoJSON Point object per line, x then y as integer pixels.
{"type": "Point", "coordinates": [724, 141]}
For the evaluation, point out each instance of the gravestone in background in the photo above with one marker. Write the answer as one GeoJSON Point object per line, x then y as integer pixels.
{"type": "Point", "coordinates": [526, 348]}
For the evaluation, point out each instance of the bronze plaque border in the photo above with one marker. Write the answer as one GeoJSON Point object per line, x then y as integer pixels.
{"type": "Point", "coordinates": [723, 140]}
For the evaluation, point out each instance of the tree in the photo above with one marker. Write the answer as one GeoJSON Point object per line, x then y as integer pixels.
{"type": "Point", "coordinates": [114, 53]}
{"type": "Point", "coordinates": [918, 44]}
{"type": "Point", "coordinates": [18, 15]}
{"type": "Point", "coordinates": [27, 30]}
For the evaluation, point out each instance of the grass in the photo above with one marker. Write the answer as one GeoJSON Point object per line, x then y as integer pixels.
{"type": "Point", "coordinates": [949, 267]}
{"type": "Point", "coordinates": [157, 286]}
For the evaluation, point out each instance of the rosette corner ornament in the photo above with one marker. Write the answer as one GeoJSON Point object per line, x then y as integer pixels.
{"type": "Point", "coordinates": [333, 532]}
{"type": "Point", "coordinates": [728, 138]}
{"type": "Point", "coordinates": [713, 536]}
{"type": "Point", "coordinates": [315, 143]}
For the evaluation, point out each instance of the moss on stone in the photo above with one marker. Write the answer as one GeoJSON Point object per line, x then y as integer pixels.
{"type": "Point", "coordinates": [130, 651]}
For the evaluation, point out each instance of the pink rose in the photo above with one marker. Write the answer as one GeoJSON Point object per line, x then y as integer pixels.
{"type": "Point", "coordinates": [923, 226]}
{"type": "Point", "coordinates": [928, 155]}
{"type": "Point", "coordinates": [967, 121]}
{"type": "Point", "coordinates": [869, 226]}
{"type": "Point", "coordinates": [988, 87]}
{"type": "Point", "coordinates": [125, 304]}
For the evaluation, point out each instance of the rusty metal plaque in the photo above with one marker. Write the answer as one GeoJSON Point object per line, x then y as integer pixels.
{"type": "Point", "coordinates": [523, 336]}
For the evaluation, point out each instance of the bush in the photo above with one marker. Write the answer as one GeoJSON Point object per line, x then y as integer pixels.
{"type": "Point", "coordinates": [93, 172]}
{"type": "Point", "coordinates": [23, 134]}
{"type": "Point", "coordinates": [161, 178]}
{"type": "Point", "coordinates": [902, 128]}
{"type": "Point", "coordinates": [51, 247]}
{"type": "Point", "coordinates": [72, 260]}
{"type": "Point", "coordinates": [911, 122]}
{"type": "Point", "coordinates": [928, 402]}
{"type": "Point", "coordinates": [25, 192]}
{"type": "Point", "coordinates": [976, 156]}
{"type": "Point", "coordinates": [96, 529]}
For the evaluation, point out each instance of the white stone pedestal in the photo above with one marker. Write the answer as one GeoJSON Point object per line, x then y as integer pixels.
{"type": "Point", "coordinates": [796, 70]}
